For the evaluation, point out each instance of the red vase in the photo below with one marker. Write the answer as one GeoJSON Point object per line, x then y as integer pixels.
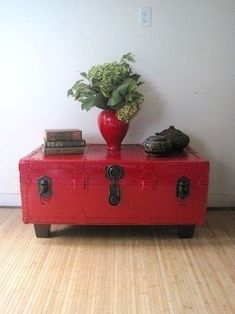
{"type": "Point", "coordinates": [112, 129]}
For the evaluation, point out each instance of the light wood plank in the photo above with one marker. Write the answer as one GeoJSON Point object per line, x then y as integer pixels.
{"type": "Point", "coordinates": [117, 269]}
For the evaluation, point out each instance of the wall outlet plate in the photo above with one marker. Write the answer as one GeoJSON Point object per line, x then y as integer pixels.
{"type": "Point", "coordinates": [145, 16]}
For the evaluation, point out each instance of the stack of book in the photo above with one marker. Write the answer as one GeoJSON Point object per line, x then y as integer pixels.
{"type": "Point", "coordinates": [63, 141]}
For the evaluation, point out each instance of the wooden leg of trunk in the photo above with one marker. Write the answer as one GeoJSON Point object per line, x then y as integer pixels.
{"type": "Point", "coordinates": [42, 231]}
{"type": "Point", "coordinates": [186, 231]}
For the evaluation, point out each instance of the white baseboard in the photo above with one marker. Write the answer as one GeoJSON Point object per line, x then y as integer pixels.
{"type": "Point", "coordinates": [221, 200]}
{"type": "Point", "coordinates": [10, 199]}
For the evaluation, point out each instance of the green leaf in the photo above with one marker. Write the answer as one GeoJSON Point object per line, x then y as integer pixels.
{"type": "Point", "coordinates": [103, 106]}
{"type": "Point", "coordinates": [135, 77]}
{"type": "Point", "coordinates": [114, 99]}
{"type": "Point", "coordinates": [100, 101]}
{"type": "Point", "coordinates": [87, 103]}
{"type": "Point", "coordinates": [75, 88]}
{"type": "Point", "coordinates": [127, 86]}
{"type": "Point", "coordinates": [84, 74]}
{"type": "Point", "coordinates": [122, 91]}
{"type": "Point", "coordinates": [70, 92]}
{"type": "Point", "coordinates": [129, 98]}
{"type": "Point", "coordinates": [94, 101]}
{"type": "Point", "coordinates": [138, 95]}
{"type": "Point", "coordinates": [87, 91]}
{"type": "Point", "coordinates": [128, 57]}
{"type": "Point", "coordinates": [78, 83]}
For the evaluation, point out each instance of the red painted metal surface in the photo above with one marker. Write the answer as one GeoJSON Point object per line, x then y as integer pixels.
{"type": "Point", "coordinates": [80, 189]}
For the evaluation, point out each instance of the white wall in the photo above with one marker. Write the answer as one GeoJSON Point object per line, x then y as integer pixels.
{"type": "Point", "coordinates": [186, 59]}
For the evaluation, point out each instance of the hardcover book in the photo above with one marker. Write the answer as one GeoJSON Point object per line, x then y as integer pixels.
{"type": "Point", "coordinates": [62, 150]}
{"type": "Point", "coordinates": [75, 143]}
{"type": "Point", "coordinates": [63, 135]}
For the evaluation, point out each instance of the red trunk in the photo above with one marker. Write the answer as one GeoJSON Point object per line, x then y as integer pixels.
{"type": "Point", "coordinates": [102, 187]}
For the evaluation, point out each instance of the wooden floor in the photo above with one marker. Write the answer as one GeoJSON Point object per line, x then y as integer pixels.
{"type": "Point", "coordinates": [117, 269]}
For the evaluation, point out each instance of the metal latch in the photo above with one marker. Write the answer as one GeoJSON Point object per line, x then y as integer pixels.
{"type": "Point", "coordinates": [183, 187]}
{"type": "Point", "coordinates": [114, 194]}
{"type": "Point", "coordinates": [44, 187]}
{"type": "Point", "coordinates": [114, 173]}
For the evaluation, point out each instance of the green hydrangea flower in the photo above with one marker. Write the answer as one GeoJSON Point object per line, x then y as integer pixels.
{"type": "Point", "coordinates": [110, 86]}
{"type": "Point", "coordinates": [127, 112]}
{"type": "Point", "coordinates": [108, 76]}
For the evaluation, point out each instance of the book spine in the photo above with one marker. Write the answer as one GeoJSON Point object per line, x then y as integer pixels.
{"type": "Point", "coordinates": [63, 135]}
{"type": "Point", "coordinates": [63, 150]}
{"type": "Point", "coordinates": [75, 143]}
